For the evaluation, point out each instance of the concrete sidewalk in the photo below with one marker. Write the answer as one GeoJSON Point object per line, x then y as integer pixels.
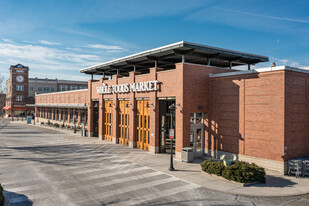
{"type": "Point", "coordinates": [276, 185]}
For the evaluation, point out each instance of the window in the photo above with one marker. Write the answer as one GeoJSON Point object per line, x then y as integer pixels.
{"type": "Point", "coordinates": [31, 88]}
{"type": "Point", "coordinates": [52, 89]}
{"type": "Point", "coordinates": [46, 89]}
{"type": "Point", "coordinates": [40, 89]}
{"type": "Point", "coordinates": [19, 98]}
{"type": "Point", "coordinates": [63, 88]}
{"type": "Point", "coordinates": [73, 87]}
{"type": "Point", "coordinates": [196, 118]}
{"type": "Point", "coordinates": [19, 87]}
{"type": "Point", "coordinates": [83, 87]}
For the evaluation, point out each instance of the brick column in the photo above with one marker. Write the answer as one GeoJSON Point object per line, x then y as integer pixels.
{"type": "Point", "coordinates": [132, 112]}
{"type": "Point", "coordinates": [90, 110]}
{"type": "Point", "coordinates": [52, 113]}
{"type": "Point", "coordinates": [90, 119]}
{"type": "Point", "coordinates": [35, 114]}
{"type": "Point", "coordinates": [115, 129]}
{"type": "Point", "coordinates": [154, 116]}
{"type": "Point", "coordinates": [182, 117]}
{"type": "Point", "coordinates": [101, 112]}
{"type": "Point", "coordinates": [69, 115]}
{"type": "Point", "coordinates": [78, 117]}
{"type": "Point", "coordinates": [59, 114]}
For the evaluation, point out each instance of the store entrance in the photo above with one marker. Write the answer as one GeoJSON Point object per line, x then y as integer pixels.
{"type": "Point", "coordinates": [108, 120]}
{"type": "Point", "coordinates": [197, 134]}
{"type": "Point", "coordinates": [142, 124]}
{"type": "Point", "coordinates": [124, 122]}
{"type": "Point", "coordinates": [165, 125]}
{"type": "Point", "coordinates": [96, 119]}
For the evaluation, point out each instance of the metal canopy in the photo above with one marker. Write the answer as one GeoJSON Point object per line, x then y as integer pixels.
{"type": "Point", "coordinates": [77, 106]}
{"type": "Point", "coordinates": [165, 57]}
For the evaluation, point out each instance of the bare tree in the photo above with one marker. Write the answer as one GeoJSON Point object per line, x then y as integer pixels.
{"type": "Point", "coordinates": [2, 86]}
{"type": "Point", "coordinates": [2, 94]}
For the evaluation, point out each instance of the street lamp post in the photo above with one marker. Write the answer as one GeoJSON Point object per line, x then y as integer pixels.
{"type": "Point", "coordinates": [74, 122]}
{"type": "Point", "coordinates": [172, 109]}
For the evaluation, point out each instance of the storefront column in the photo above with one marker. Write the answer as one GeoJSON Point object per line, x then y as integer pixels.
{"type": "Point", "coordinates": [101, 112]}
{"type": "Point", "coordinates": [115, 129]}
{"type": "Point", "coordinates": [132, 116]}
{"type": "Point", "coordinates": [59, 114]}
{"type": "Point", "coordinates": [52, 113]}
{"type": "Point", "coordinates": [69, 115]}
{"type": "Point", "coordinates": [90, 110]}
{"type": "Point", "coordinates": [78, 117]}
{"type": "Point", "coordinates": [154, 116]}
{"type": "Point", "coordinates": [90, 119]}
{"type": "Point", "coordinates": [35, 114]}
{"type": "Point", "coordinates": [182, 117]}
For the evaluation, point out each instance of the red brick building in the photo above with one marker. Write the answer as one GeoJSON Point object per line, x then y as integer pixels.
{"type": "Point", "coordinates": [260, 115]}
{"type": "Point", "coordinates": [20, 89]}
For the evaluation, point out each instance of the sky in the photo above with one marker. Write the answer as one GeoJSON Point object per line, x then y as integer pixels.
{"type": "Point", "coordinates": [57, 38]}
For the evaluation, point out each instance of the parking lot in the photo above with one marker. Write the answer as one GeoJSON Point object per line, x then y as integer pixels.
{"type": "Point", "coordinates": [43, 167]}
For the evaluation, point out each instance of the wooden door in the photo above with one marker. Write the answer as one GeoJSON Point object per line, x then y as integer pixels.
{"type": "Point", "coordinates": [124, 122]}
{"type": "Point", "coordinates": [142, 124]}
{"type": "Point", "coordinates": [108, 120]}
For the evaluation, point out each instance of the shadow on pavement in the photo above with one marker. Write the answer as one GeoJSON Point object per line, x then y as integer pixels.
{"type": "Point", "coordinates": [66, 155]}
{"type": "Point", "coordinates": [13, 198]}
{"type": "Point", "coordinates": [274, 181]}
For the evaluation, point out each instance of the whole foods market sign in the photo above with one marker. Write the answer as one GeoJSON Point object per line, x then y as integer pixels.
{"type": "Point", "coordinates": [130, 87]}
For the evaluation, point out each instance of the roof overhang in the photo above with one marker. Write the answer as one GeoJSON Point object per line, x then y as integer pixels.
{"type": "Point", "coordinates": [166, 57]}
{"type": "Point", "coordinates": [73, 106]}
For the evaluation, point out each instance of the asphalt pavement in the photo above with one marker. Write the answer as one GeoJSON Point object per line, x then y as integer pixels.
{"type": "Point", "coordinates": [40, 166]}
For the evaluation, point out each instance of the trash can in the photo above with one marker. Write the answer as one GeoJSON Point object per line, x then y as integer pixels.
{"type": "Point", "coordinates": [187, 154]}
{"type": "Point", "coordinates": [29, 119]}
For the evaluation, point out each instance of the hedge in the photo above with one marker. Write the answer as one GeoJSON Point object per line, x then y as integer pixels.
{"type": "Point", "coordinates": [1, 195]}
{"type": "Point", "coordinates": [240, 171]}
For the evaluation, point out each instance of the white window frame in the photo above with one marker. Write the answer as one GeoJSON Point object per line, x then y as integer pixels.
{"type": "Point", "coordinates": [19, 98]}
{"type": "Point", "coordinates": [20, 87]}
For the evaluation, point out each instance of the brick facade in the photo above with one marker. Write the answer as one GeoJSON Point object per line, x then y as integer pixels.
{"type": "Point", "coordinates": [260, 117]}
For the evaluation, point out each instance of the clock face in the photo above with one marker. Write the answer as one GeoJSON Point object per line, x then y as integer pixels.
{"type": "Point", "coordinates": [19, 78]}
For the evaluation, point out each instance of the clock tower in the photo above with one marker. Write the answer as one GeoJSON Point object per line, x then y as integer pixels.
{"type": "Point", "coordinates": [17, 90]}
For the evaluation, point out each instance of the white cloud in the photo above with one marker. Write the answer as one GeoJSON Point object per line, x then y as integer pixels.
{"type": "Point", "coordinates": [48, 43]}
{"type": "Point", "coordinates": [8, 40]}
{"type": "Point", "coordinates": [42, 54]}
{"type": "Point", "coordinates": [102, 46]}
{"type": "Point", "coordinates": [265, 16]}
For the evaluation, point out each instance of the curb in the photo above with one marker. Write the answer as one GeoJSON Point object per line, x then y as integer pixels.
{"type": "Point", "coordinates": [229, 181]}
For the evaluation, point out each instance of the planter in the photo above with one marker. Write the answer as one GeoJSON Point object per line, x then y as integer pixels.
{"type": "Point", "coordinates": [229, 181]}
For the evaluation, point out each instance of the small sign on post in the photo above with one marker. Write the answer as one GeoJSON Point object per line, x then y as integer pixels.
{"type": "Point", "coordinates": [172, 134]}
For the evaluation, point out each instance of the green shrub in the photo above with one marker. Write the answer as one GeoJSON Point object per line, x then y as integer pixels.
{"type": "Point", "coordinates": [243, 172]}
{"type": "Point", "coordinates": [1, 195]}
{"type": "Point", "coordinates": [213, 167]}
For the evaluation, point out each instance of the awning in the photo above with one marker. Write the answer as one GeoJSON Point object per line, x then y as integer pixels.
{"type": "Point", "coordinates": [167, 56]}
{"type": "Point", "coordinates": [20, 108]}
{"type": "Point", "coordinates": [76, 106]}
{"type": "Point", "coordinates": [7, 108]}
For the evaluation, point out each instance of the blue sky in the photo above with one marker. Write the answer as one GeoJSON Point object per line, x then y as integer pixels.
{"type": "Point", "coordinates": [56, 38]}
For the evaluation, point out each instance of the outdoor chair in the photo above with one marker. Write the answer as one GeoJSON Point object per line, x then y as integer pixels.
{"type": "Point", "coordinates": [306, 168]}
{"type": "Point", "coordinates": [295, 168]}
